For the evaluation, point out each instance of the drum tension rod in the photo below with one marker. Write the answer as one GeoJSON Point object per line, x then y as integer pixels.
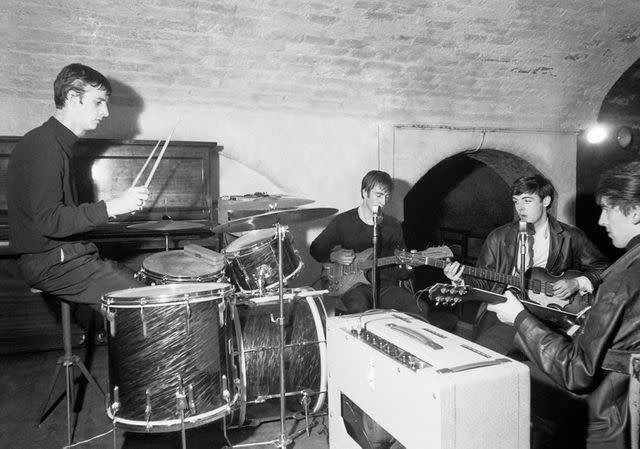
{"type": "Point", "coordinates": [279, 321]}
{"type": "Point", "coordinates": [143, 301]}
{"type": "Point", "coordinates": [147, 410]}
{"type": "Point", "coordinates": [305, 401]}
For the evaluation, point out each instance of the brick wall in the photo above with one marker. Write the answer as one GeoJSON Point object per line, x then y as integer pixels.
{"type": "Point", "coordinates": [544, 64]}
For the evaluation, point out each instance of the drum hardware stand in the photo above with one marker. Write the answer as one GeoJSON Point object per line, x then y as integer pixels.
{"type": "Point", "coordinates": [115, 408]}
{"type": "Point", "coordinates": [68, 361]}
{"type": "Point", "coordinates": [283, 440]}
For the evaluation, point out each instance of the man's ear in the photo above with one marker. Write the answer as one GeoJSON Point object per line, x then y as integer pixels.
{"type": "Point", "coordinates": [546, 201]}
{"type": "Point", "coordinates": [635, 215]}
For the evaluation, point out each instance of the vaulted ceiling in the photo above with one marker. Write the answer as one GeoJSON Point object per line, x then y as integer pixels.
{"type": "Point", "coordinates": [514, 63]}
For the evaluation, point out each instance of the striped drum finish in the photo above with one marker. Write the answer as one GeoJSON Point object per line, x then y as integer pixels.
{"type": "Point", "coordinates": [255, 355]}
{"type": "Point", "coordinates": [253, 259]}
{"type": "Point", "coordinates": [164, 341]}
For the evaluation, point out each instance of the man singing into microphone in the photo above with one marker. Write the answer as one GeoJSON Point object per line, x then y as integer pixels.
{"type": "Point", "coordinates": [352, 232]}
{"type": "Point", "coordinates": [551, 244]}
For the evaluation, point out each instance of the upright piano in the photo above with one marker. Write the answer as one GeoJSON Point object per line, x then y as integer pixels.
{"type": "Point", "coordinates": [185, 187]}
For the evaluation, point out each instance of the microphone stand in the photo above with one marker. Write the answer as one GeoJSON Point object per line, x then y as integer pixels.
{"type": "Point", "coordinates": [374, 269]}
{"type": "Point", "coordinates": [522, 243]}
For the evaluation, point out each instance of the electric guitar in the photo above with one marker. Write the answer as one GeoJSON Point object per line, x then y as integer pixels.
{"type": "Point", "coordinates": [341, 278]}
{"type": "Point", "coordinates": [538, 283]}
{"type": "Point", "coordinates": [562, 320]}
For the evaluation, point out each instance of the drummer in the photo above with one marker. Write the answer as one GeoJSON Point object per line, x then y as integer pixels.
{"type": "Point", "coordinates": [351, 232]}
{"type": "Point", "coordinates": [44, 214]}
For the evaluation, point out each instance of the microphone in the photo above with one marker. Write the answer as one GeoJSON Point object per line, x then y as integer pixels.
{"type": "Point", "coordinates": [522, 227]}
{"type": "Point", "coordinates": [377, 215]}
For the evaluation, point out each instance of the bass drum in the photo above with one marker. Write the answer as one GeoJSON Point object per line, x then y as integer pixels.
{"type": "Point", "coordinates": [167, 342]}
{"type": "Point", "coordinates": [255, 355]}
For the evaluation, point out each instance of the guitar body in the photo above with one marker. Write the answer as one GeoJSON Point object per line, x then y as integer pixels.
{"type": "Point", "coordinates": [339, 278]}
{"type": "Point", "coordinates": [540, 290]}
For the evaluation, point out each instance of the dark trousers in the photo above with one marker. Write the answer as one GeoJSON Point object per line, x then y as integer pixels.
{"type": "Point", "coordinates": [83, 278]}
{"type": "Point", "coordinates": [360, 298]}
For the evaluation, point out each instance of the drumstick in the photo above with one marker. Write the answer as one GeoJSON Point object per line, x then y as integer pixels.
{"type": "Point", "coordinates": [137, 178]}
{"type": "Point", "coordinates": [164, 147]}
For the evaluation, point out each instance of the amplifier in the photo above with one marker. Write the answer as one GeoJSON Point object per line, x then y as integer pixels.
{"type": "Point", "coordinates": [396, 381]}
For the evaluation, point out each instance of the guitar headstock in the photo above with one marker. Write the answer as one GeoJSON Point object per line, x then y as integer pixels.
{"type": "Point", "coordinates": [422, 257]}
{"type": "Point", "coordinates": [447, 294]}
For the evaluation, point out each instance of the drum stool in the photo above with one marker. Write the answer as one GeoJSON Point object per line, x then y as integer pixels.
{"type": "Point", "coordinates": [68, 360]}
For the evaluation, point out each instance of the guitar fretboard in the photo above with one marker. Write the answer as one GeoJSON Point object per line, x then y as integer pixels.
{"type": "Point", "coordinates": [482, 273]}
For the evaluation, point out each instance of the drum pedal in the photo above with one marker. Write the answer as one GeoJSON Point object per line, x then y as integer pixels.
{"type": "Point", "coordinates": [305, 401]}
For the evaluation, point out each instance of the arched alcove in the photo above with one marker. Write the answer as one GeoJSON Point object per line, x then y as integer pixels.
{"type": "Point", "coordinates": [468, 195]}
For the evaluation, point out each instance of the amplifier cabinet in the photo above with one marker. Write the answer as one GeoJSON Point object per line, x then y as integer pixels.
{"type": "Point", "coordinates": [423, 386]}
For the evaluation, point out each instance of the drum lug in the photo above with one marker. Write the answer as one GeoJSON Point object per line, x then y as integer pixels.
{"type": "Point", "coordinates": [222, 316]}
{"type": "Point", "coordinates": [111, 318]}
{"type": "Point", "coordinates": [115, 404]}
{"type": "Point", "coordinates": [181, 398]}
{"type": "Point", "coordinates": [192, 403]}
{"type": "Point", "coordinates": [143, 301]}
{"type": "Point", "coordinates": [279, 321]}
{"type": "Point", "coordinates": [147, 410]}
{"type": "Point", "coordinates": [226, 395]}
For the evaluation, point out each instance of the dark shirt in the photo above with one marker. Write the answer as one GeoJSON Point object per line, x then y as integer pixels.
{"type": "Point", "coordinates": [348, 231]}
{"type": "Point", "coordinates": [43, 213]}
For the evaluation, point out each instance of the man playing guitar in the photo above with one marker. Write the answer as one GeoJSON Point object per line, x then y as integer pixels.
{"type": "Point", "coordinates": [553, 245]}
{"type": "Point", "coordinates": [351, 233]}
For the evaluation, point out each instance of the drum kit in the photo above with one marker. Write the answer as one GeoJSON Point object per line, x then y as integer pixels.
{"type": "Point", "coordinates": [217, 336]}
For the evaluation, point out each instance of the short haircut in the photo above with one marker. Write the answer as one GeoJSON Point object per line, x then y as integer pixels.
{"type": "Point", "coordinates": [619, 186]}
{"type": "Point", "coordinates": [376, 178]}
{"type": "Point", "coordinates": [75, 77]}
{"type": "Point", "coordinates": [537, 184]}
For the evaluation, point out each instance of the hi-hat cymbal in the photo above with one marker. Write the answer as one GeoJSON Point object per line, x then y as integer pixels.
{"type": "Point", "coordinates": [166, 225]}
{"type": "Point", "coordinates": [261, 202]}
{"type": "Point", "coordinates": [270, 219]}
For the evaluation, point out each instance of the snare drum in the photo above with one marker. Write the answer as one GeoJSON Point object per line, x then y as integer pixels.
{"type": "Point", "coordinates": [256, 354]}
{"type": "Point", "coordinates": [253, 260]}
{"type": "Point", "coordinates": [168, 267]}
{"type": "Point", "coordinates": [167, 342]}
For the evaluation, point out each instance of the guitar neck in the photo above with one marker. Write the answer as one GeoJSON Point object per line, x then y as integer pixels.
{"type": "Point", "coordinates": [482, 273]}
{"type": "Point", "coordinates": [382, 261]}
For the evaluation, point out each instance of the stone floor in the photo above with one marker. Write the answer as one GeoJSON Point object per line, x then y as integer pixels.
{"type": "Point", "coordinates": [24, 384]}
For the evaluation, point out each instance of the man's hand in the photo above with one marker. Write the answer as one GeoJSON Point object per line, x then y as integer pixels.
{"type": "Point", "coordinates": [342, 256]}
{"type": "Point", "coordinates": [132, 199]}
{"type": "Point", "coordinates": [565, 288]}
{"type": "Point", "coordinates": [507, 311]}
{"type": "Point", "coordinates": [453, 270]}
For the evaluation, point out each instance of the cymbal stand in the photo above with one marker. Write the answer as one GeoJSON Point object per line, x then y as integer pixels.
{"type": "Point", "coordinates": [283, 440]}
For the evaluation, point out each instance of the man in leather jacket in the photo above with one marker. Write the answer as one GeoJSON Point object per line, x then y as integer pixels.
{"type": "Point", "coordinates": [554, 246]}
{"type": "Point", "coordinates": [575, 365]}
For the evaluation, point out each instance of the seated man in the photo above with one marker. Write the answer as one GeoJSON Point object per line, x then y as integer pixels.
{"type": "Point", "coordinates": [553, 246]}
{"type": "Point", "coordinates": [598, 416]}
{"type": "Point", "coordinates": [351, 232]}
{"type": "Point", "coordinates": [44, 215]}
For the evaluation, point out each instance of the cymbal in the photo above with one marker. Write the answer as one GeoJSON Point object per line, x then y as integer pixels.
{"type": "Point", "coordinates": [166, 225]}
{"type": "Point", "coordinates": [261, 202]}
{"type": "Point", "coordinates": [270, 219]}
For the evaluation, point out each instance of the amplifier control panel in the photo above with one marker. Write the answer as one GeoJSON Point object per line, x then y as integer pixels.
{"type": "Point", "coordinates": [389, 349]}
